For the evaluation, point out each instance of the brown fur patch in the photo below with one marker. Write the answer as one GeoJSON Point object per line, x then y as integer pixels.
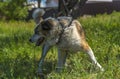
{"type": "Point", "coordinates": [52, 22]}
{"type": "Point", "coordinates": [80, 30]}
{"type": "Point", "coordinates": [85, 46]}
{"type": "Point", "coordinates": [64, 22]}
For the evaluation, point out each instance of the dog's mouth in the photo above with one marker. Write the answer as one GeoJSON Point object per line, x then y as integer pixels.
{"type": "Point", "coordinates": [40, 41]}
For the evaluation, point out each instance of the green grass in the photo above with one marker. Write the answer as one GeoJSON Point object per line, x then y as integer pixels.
{"type": "Point", "coordinates": [17, 60]}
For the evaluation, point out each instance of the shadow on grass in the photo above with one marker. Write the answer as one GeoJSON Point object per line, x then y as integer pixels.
{"type": "Point", "coordinates": [22, 67]}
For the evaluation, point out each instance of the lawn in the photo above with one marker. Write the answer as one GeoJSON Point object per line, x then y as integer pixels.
{"type": "Point", "coordinates": [19, 58]}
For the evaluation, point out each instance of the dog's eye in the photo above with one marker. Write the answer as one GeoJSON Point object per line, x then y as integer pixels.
{"type": "Point", "coordinates": [36, 32]}
{"type": "Point", "coordinates": [46, 25]}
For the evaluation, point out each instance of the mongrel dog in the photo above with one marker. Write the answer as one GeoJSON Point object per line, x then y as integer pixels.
{"type": "Point", "coordinates": [65, 33]}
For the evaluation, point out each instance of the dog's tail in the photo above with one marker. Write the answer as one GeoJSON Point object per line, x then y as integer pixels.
{"type": "Point", "coordinates": [37, 15]}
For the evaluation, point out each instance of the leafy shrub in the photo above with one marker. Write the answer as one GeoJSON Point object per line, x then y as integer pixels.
{"type": "Point", "coordinates": [13, 9]}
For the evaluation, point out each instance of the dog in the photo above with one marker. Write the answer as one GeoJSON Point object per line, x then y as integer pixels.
{"type": "Point", "coordinates": [64, 32]}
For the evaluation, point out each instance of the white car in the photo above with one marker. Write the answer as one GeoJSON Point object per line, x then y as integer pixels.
{"type": "Point", "coordinates": [43, 4]}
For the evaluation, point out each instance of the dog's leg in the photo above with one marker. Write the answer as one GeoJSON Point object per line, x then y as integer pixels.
{"type": "Point", "coordinates": [45, 49]}
{"type": "Point", "coordinates": [62, 55]}
{"type": "Point", "coordinates": [88, 50]}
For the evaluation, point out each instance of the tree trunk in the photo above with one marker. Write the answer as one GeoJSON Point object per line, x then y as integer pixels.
{"type": "Point", "coordinates": [39, 3]}
{"type": "Point", "coordinates": [70, 7]}
{"type": "Point", "coordinates": [77, 10]}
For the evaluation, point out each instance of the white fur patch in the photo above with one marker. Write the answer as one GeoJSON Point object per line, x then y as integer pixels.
{"type": "Point", "coordinates": [38, 12]}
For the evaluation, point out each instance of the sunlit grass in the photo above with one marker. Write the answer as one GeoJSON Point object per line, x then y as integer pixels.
{"type": "Point", "coordinates": [17, 59]}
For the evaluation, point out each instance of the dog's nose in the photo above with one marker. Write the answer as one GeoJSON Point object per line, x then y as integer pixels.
{"type": "Point", "coordinates": [30, 40]}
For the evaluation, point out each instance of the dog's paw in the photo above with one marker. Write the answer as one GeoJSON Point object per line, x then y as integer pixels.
{"type": "Point", "coordinates": [41, 75]}
{"type": "Point", "coordinates": [59, 69]}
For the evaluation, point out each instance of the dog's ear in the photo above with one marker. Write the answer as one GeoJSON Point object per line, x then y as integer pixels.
{"type": "Point", "coordinates": [46, 25]}
{"type": "Point", "coordinates": [37, 15]}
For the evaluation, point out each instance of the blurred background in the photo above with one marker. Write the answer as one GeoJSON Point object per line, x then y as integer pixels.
{"type": "Point", "coordinates": [22, 9]}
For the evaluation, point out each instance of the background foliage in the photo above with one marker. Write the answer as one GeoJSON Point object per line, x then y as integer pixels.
{"type": "Point", "coordinates": [17, 60]}
{"type": "Point", "coordinates": [13, 9]}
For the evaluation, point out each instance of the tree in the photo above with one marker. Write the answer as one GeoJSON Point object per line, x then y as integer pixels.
{"type": "Point", "coordinates": [13, 9]}
{"type": "Point", "coordinates": [70, 7]}
{"type": "Point", "coordinates": [39, 3]}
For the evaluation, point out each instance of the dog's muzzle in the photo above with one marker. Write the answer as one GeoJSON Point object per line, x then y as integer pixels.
{"type": "Point", "coordinates": [38, 42]}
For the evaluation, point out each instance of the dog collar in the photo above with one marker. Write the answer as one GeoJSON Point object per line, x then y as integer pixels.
{"type": "Point", "coordinates": [63, 29]}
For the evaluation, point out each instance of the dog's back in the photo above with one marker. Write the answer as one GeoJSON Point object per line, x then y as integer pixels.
{"type": "Point", "coordinates": [72, 37]}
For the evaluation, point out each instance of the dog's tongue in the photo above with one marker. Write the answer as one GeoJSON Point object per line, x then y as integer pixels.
{"type": "Point", "coordinates": [40, 41]}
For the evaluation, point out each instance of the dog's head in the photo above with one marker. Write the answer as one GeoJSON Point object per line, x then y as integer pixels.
{"type": "Point", "coordinates": [46, 29]}
{"type": "Point", "coordinates": [49, 29]}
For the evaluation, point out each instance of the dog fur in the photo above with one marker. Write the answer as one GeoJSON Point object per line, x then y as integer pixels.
{"type": "Point", "coordinates": [65, 33]}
